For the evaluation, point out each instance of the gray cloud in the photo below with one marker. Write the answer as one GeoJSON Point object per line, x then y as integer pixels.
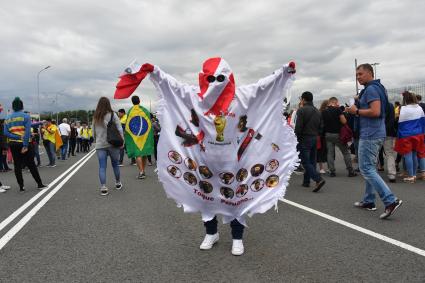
{"type": "Point", "coordinates": [88, 43]}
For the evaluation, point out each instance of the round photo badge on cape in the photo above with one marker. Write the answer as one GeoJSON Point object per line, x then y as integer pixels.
{"type": "Point", "coordinates": [231, 144]}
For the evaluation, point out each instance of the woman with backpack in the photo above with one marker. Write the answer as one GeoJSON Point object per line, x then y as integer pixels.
{"type": "Point", "coordinates": [105, 121]}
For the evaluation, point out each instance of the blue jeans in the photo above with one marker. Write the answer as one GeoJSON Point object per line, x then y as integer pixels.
{"type": "Point", "coordinates": [308, 150]}
{"type": "Point", "coordinates": [64, 147]}
{"type": "Point", "coordinates": [37, 153]}
{"type": "Point", "coordinates": [51, 151]}
{"type": "Point", "coordinates": [368, 158]}
{"type": "Point", "coordinates": [102, 156]}
{"type": "Point", "coordinates": [412, 161]}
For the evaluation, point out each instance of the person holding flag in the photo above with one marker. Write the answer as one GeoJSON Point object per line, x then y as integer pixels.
{"type": "Point", "coordinates": [138, 135]}
{"type": "Point", "coordinates": [224, 150]}
{"type": "Point", "coordinates": [50, 132]}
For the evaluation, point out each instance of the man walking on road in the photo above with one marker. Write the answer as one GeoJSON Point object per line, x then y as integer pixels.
{"type": "Point", "coordinates": [17, 128]}
{"type": "Point", "coordinates": [333, 121]}
{"type": "Point", "coordinates": [139, 135]}
{"type": "Point", "coordinates": [123, 120]}
{"type": "Point", "coordinates": [65, 131]}
{"type": "Point", "coordinates": [79, 139]}
{"type": "Point", "coordinates": [391, 131]}
{"type": "Point", "coordinates": [370, 110]}
{"type": "Point", "coordinates": [307, 128]}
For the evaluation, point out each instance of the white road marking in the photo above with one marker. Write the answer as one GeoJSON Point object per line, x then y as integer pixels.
{"type": "Point", "coordinates": [358, 228]}
{"type": "Point", "coordinates": [18, 226]}
{"type": "Point", "coordinates": [15, 214]}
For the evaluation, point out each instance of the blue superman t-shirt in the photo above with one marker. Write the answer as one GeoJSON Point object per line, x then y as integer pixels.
{"type": "Point", "coordinates": [372, 128]}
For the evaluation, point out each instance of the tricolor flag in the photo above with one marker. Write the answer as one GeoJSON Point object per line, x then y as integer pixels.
{"type": "Point", "coordinates": [138, 132]}
{"type": "Point", "coordinates": [411, 130]}
{"type": "Point", "coordinates": [131, 78]}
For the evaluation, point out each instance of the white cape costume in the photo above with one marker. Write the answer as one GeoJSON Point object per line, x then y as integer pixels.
{"type": "Point", "coordinates": [224, 150]}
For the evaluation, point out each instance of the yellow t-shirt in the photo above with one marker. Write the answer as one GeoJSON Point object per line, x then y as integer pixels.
{"type": "Point", "coordinates": [397, 111]}
{"type": "Point", "coordinates": [85, 133]}
{"type": "Point", "coordinates": [50, 136]}
{"type": "Point", "coordinates": [123, 119]}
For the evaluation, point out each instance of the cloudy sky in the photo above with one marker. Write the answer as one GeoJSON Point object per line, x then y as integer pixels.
{"type": "Point", "coordinates": [89, 43]}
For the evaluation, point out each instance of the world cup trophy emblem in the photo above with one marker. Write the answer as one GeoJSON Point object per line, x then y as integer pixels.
{"type": "Point", "coordinates": [220, 125]}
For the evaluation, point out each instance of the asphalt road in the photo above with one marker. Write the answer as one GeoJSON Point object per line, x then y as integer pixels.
{"type": "Point", "coordinates": [138, 235]}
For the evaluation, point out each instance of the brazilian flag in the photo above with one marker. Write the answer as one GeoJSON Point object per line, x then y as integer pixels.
{"type": "Point", "coordinates": [138, 132]}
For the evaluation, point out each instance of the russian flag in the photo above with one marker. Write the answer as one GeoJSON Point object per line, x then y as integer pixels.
{"type": "Point", "coordinates": [411, 130]}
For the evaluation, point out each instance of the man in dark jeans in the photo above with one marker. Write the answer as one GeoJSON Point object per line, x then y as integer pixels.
{"type": "Point", "coordinates": [307, 128]}
{"type": "Point", "coordinates": [17, 128]}
{"type": "Point", "coordinates": [333, 120]}
{"type": "Point", "coordinates": [72, 140]}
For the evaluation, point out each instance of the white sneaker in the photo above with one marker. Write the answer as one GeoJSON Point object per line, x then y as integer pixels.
{"type": "Point", "coordinates": [2, 190]}
{"type": "Point", "coordinates": [118, 186]}
{"type": "Point", "coordinates": [209, 241]}
{"type": "Point", "coordinates": [4, 187]}
{"type": "Point", "coordinates": [104, 191]}
{"type": "Point", "coordinates": [237, 247]}
{"type": "Point", "coordinates": [322, 171]}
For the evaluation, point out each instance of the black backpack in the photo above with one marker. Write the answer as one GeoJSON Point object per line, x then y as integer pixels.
{"type": "Point", "coordinates": [113, 136]}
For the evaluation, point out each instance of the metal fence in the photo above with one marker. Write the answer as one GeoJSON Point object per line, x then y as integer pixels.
{"type": "Point", "coordinates": [394, 94]}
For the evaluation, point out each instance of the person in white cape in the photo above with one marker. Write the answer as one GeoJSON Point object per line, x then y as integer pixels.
{"type": "Point", "coordinates": [224, 150]}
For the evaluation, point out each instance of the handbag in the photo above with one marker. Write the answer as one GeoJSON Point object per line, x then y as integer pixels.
{"type": "Point", "coordinates": [345, 134]}
{"type": "Point", "coordinates": [113, 136]}
{"type": "Point", "coordinates": [319, 143]}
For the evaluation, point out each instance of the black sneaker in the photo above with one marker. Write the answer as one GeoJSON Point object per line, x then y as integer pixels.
{"type": "Point", "coordinates": [332, 174]}
{"type": "Point", "coordinates": [319, 185]}
{"type": "Point", "coordinates": [299, 171]}
{"type": "Point", "coordinates": [42, 186]}
{"type": "Point", "coordinates": [352, 174]}
{"type": "Point", "coordinates": [22, 190]}
{"type": "Point", "coordinates": [389, 210]}
{"type": "Point", "coordinates": [141, 175]}
{"type": "Point", "coordinates": [305, 185]}
{"type": "Point", "coordinates": [368, 206]}
{"type": "Point", "coordinates": [118, 186]}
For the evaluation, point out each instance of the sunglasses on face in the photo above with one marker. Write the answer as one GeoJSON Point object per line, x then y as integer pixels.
{"type": "Point", "coordinates": [219, 78]}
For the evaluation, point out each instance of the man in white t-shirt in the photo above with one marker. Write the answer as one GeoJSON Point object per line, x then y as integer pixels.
{"type": "Point", "coordinates": [65, 131]}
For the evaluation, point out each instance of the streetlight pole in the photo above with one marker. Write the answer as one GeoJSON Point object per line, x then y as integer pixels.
{"type": "Point", "coordinates": [57, 105]}
{"type": "Point", "coordinates": [57, 110]}
{"type": "Point", "coordinates": [38, 91]}
{"type": "Point", "coordinates": [374, 69]}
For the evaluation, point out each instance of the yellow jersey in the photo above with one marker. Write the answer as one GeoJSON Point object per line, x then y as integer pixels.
{"type": "Point", "coordinates": [50, 136]}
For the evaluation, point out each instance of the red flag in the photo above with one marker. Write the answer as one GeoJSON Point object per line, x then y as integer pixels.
{"type": "Point", "coordinates": [129, 82]}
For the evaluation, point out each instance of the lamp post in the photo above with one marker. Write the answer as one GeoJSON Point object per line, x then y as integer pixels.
{"type": "Point", "coordinates": [38, 91]}
{"type": "Point", "coordinates": [374, 69]}
{"type": "Point", "coordinates": [57, 105]}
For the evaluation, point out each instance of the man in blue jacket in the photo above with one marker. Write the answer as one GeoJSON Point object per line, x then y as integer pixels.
{"type": "Point", "coordinates": [17, 128]}
{"type": "Point", "coordinates": [370, 109]}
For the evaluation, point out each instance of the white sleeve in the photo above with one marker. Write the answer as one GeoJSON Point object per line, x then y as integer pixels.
{"type": "Point", "coordinates": [168, 86]}
{"type": "Point", "coordinates": [271, 85]}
